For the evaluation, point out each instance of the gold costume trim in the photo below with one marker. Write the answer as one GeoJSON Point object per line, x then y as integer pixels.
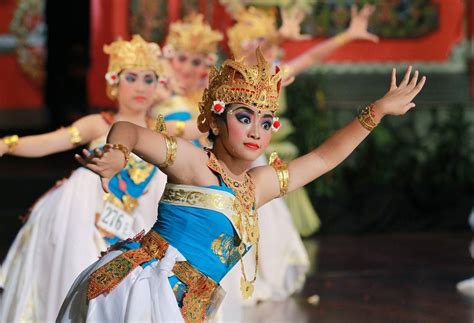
{"type": "Point", "coordinates": [200, 288]}
{"type": "Point", "coordinates": [366, 117]}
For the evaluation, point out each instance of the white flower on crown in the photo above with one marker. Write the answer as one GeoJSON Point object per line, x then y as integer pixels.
{"type": "Point", "coordinates": [218, 107]}
{"type": "Point", "coordinates": [211, 59]}
{"type": "Point", "coordinates": [112, 78]}
{"type": "Point", "coordinates": [163, 80]}
{"type": "Point", "coordinates": [276, 124]}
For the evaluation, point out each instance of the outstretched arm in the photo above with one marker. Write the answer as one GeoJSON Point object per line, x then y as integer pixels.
{"type": "Point", "coordinates": [125, 137]}
{"type": "Point", "coordinates": [81, 132]}
{"type": "Point", "coordinates": [357, 31]}
{"type": "Point", "coordinates": [397, 101]}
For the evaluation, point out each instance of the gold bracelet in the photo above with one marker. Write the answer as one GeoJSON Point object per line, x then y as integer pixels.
{"type": "Point", "coordinates": [11, 142]}
{"type": "Point", "coordinates": [75, 135]}
{"type": "Point", "coordinates": [281, 169]}
{"type": "Point", "coordinates": [123, 149]}
{"type": "Point", "coordinates": [341, 38]}
{"type": "Point", "coordinates": [366, 117]}
{"type": "Point", "coordinates": [180, 126]}
{"type": "Point", "coordinates": [171, 147]}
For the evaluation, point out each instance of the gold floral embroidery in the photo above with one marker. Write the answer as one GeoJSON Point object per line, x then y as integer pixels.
{"type": "Point", "coordinates": [225, 247]}
{"type": "Point", "coordinates": [139, 170]}
{"type": "Point", "coordinates": [198, 199]}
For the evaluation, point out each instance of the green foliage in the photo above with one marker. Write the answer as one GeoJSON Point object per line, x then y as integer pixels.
{"type": "Point", "coordinates": [393, 19]}
{"type": "Point", "coordinates": [409, 174]}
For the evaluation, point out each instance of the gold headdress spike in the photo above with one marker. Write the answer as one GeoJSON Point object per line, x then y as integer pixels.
{"type": "Point", "coordinates": [194, 35]}
{"type": "Point", "coordinates": [252, 24]}
{"type": "Point", "coordinates": [237, 82]}
{"type": "Point", "coordinates": [136, 53]}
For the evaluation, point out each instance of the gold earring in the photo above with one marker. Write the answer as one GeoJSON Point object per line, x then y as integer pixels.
{"type": "Point", "coordinates": [113, 92]}
{"type": "Point", "coordinates": [215, 131]}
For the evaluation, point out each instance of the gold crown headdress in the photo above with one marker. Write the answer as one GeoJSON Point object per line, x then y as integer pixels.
{"type": "Point", "coordinates": [194, 35]}
{"type": "Point", "coordinates": [251, 24]}
{"type": "Point", "coordinates": [136, 53]}
{"type": "Point", "coordinates": [237, 82]}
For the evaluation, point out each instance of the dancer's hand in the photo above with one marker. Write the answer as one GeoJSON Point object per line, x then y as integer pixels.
{"type": "Point", "coordinates": [105, 162]}
{"type": "Point", "coordinates": [398, 99]}
{"type": "Point", "coordinates": [359, 22]}
{"type": "Point", "coordinates": [3, 148]}
{"type": "Point", "coordinates": [290, 27]}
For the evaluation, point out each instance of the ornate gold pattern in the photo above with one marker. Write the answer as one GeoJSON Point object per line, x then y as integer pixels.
{"type": "Point", "coordinates": [224, 247]}
{"type": "Point", "coordinates": [171, 147]}
{"type": "Point", "coordinates": [107, 277]}
{"type": "Point", "coordinates": [139, 170]}
{"type": "Point", "coordinates": [136, 53]}
{"type": "Point", "coordinates": [252, 24]}
{"type": "Point", "coordinates": [366, 117]}
{"type": "Point", "coordinates": [200, 288]}
{"type": "Point", "coordinates": [281, 169]}
{"type": "Point", "coordinates": [193, 35]}
{"type": "Point", "coordinates": [75, 135]}
{"type": "Point", "coordinates": [195, 198]}
{"type": "Point", "coordinates": [246, 211]}
{"type": "Point", "coordinates": [237, 82]}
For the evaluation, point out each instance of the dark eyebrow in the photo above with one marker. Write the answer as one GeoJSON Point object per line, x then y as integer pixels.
{"type": "Point", "coordinates": [267, 115]}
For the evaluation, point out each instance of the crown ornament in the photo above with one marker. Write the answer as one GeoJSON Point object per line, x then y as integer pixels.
{"type": "Point", "coordinates": [136, 53]}
{"type": "Point", "coordinates": [193, 35]}
{"type": "Point", "coordinates": [252, 25]}
{"type": "Point", "coordinates": [236, 82]}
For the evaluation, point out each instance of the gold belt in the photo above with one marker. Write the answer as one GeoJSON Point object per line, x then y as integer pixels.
{"type": "Point", "coordinates": [200, 288]}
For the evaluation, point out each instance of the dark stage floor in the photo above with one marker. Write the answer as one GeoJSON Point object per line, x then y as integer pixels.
{"type": "Point", "coordinates": [381, 278]}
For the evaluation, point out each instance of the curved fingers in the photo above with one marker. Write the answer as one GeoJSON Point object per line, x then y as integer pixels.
{"type": "Point", "coordinates": [393, 82]}
{"type": "Point", "coordinates": [406, 77]}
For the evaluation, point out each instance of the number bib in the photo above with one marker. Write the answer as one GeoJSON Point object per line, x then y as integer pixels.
{"type": "Point", "coordinates": [116, 221]}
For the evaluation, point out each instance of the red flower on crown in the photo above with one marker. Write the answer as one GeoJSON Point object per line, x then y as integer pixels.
{"type": "Point", "coordinates": [276, 124]}
{"type": "Point", "coordinates": [218, 107]}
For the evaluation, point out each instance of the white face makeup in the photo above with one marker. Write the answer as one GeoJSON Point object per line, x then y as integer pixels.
{"type": "Point", "coordinates": [247, 131]}
{"type": "Point", "coordinates": [189, 70]}
{"type": "Point", "coordinates": [137, 88]}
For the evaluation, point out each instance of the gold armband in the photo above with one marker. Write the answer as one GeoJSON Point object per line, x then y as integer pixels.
{"type": "Point", "coordinates": [281, 169]}
{"type": "Point", "coordinates": [366, 117]}
{"type": "Point", "coordinates": [180, 126]}
{"type": "Point", "coordinates": [171, 147]}
{"type": "Point", "coordinates": [11, 142]}
{"type": "Point", "coordinates": [123, 149]}
{"type": "Point", "coordinates": [75, 135]}
{"type": "Point", "coordinates": [341, 38]}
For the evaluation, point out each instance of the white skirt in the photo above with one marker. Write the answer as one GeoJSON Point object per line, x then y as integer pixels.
{"type": "Point", "coordinates": [145, 295]}
{"type": "Point", "coordinates": [57, 242]}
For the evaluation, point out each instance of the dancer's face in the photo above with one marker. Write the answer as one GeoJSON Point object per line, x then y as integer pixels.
{"type": "Point", "coordinates": [247, 132]}
{"type": "Point", "coordinates": [136, 89]}
{"type": "Point", "coordinates": [190, 70]}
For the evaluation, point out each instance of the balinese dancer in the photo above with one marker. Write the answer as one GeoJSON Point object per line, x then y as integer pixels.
{"type": "Point", "coordinates": [281, 246]}
{"type": "Point", "coordinates": [72, 223]}
{"type": "Point", "coordinates": [208, 212]}
{"type": "Point", "coordinates": [190, 49]}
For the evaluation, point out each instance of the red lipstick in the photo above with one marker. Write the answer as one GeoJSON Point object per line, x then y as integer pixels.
{"type": "Point", "coordinates": [252, 145]}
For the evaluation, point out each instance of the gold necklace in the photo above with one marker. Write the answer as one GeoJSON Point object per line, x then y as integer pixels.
{"type": "Point", "coordinates": [246, 219]}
